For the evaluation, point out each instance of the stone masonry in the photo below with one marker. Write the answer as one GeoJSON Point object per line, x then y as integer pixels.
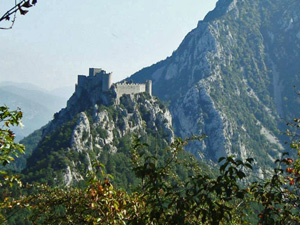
{"type": "Point", "coordinates": [99, 80]}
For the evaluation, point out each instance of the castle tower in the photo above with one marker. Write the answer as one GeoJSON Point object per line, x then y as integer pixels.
{"type": "Point", "coordinates": [106, 81]}
{"type": "Point", "coordinates": [149, 87]}
{"type": "Point", "coordinates": [94, 71]}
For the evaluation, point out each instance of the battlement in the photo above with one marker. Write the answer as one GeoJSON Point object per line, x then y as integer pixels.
{"type": "Point", "coordinates": [132, 88]}
{"type": "Point", "coordinates": [99, 80]}
{"type": "Point", "coordinates": [127, 84]}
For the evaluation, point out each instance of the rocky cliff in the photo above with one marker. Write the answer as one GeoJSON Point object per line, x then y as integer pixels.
{"type": "Point", "coordinates": [232, 78]}
{"type": "Point", "coordinates": [97, 127]}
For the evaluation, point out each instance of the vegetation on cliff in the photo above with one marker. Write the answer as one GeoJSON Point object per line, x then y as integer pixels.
{"type": "Point", "coordinates": [162, 196]}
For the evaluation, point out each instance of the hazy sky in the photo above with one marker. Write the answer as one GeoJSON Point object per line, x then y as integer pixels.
{"type": "Point", "coordinates": [59, 39]}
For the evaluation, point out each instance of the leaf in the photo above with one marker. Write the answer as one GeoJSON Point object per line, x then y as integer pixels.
{"type": "Point", "coordinates": [22, 12]}
{"type": "Point", "coordinates": [250, 160]}
{"type": "Point", "coordinates": [152, 165]}
{"type": "Point", "coordinates": [240, 195]}
{"type": "Point", "coordinates": [27, 4]}
{"type": "Point", "coordinates": [223, 167]}
{"type": "Point", "coordinates": [221, 159]}
{"type": "Point", "coordinates": [249, 166]}
{"type": "Point", "coordinates": [239, 162]}
{"type": "Point", "coordinates": [241, 174]}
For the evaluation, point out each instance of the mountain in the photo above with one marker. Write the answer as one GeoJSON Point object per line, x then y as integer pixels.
{"type": "Point", "coordinates": [26, 86]}
{"type": "Point", "coordinates": [98, 124]}
{"type": "Point", "coordinates": [232, 78]}
{"type": "Point", "coordinates": [37, 105]}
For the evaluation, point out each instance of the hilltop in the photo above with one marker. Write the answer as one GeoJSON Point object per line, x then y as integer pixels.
{"type": "Point", "coordinates": [98, 124]}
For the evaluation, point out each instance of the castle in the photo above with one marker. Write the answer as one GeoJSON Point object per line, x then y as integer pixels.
{"type": "Point", "coordinates": [100, 81]}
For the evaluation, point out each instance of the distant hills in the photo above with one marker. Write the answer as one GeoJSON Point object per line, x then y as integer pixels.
{"type": "Point", "coordinates": [38, 105]}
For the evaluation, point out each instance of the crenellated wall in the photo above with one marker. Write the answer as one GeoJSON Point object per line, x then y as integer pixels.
{"type": "Point", "coordinates": [126, 88]}
{"type": "Point", "coordinates": [99, 80]}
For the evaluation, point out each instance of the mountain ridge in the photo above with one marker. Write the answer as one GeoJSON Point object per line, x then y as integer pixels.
{"type": "Point", "coordinates": [228, 80]}
{"type": "Point", "coordinates": [37, 106]}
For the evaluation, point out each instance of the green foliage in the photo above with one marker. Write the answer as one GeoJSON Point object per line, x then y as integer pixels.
{"type": "Point", "coordinates": [102, 132]}
{"type": "Point", "coordinates": [163, 197]}
{"type": "Point", "coordinates": [97, 203]}
{"type": "Point", "coordinates": [9, 149]}
{"type": "Point", "coordinates": [128, 104]}
{"type": "Point", "coordinates": [164, 185]}
{"type": "Point", "coordinates": [199, 198]}
{"type": "Point", "coordinates": [52, 155]}
{"type": "Point", "coordinates": [30, 143]}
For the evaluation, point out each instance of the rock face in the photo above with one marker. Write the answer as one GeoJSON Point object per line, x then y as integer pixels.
{"type": "Point", "coordinates": [91, 126]}
{"type": "Point", "coordinates": [232, 78]}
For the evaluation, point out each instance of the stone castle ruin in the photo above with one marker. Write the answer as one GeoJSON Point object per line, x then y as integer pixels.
{"type": "Point", "coordinates": [100, 81]}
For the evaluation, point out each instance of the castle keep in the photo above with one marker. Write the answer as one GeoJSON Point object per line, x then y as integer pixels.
{"type": "Point", "coordinates": [100, 81]}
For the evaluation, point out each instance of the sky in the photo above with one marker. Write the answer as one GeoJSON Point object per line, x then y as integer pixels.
{"type": "Point", "coordinates": [59, 39]}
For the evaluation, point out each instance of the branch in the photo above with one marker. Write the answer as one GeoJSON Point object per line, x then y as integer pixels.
{"type": "Point", "coordinates": [13, 11]}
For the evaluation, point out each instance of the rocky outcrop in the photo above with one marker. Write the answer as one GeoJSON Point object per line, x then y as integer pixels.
{"type": "Point", "coordinates": [81, 133]}
{"type": "Point", "coordinates": [80, 140]}
{"type": "Point", "coordinates": [132, 116]}
{"type": "Point", "coordinates": [229, 79]}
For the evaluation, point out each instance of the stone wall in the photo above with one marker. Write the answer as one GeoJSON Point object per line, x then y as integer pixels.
{"type": "Point", "coordinates": [125, 88]}
{"type": "Point", "coordinates": [99, 81]}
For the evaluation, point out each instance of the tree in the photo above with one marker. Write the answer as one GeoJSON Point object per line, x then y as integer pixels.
{"type": "Point", "coordinates": [9, 149]}
{"type": "Point", "coordinates": [21, 7]}
{"type": "Point", "coordinates": [163, 197]}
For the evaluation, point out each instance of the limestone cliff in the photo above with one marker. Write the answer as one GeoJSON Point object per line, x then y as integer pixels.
{"type": "Point", "coordinates": [232, 78]}
{"type": "Point", "coordinates": [82, 133]}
